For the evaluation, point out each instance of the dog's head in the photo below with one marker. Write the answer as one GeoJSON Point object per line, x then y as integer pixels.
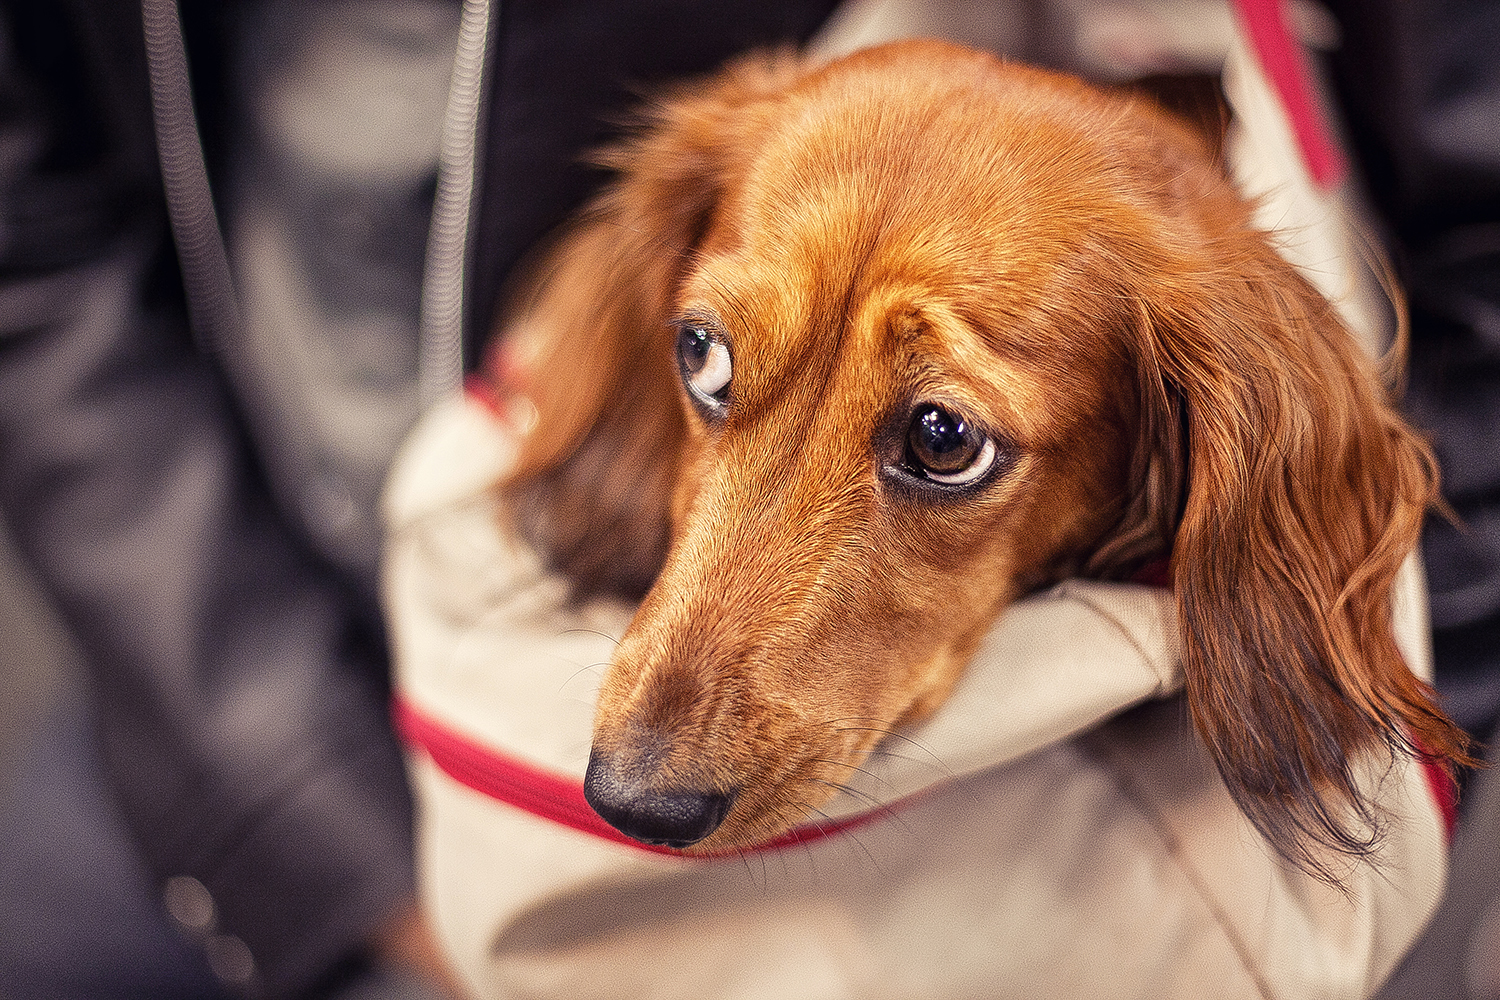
{"type": "Point", "coordinates": [851, 357]}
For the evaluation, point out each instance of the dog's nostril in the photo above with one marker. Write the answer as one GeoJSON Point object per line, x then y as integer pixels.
{"type": "Point", "coordinates": [673, 818]}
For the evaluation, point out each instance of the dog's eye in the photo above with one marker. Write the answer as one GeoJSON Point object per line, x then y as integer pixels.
{"type": "Point", "coordinates": [945, 448]}
{"type": "Point", "coordinates": [706, 365]}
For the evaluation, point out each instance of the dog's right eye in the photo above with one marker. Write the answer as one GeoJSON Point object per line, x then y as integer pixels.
{"type": "Point", "coordinates": [707, 368]}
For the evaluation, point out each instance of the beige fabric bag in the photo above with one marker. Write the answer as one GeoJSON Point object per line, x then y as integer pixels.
{"type": "Point", "coordinates": [1020, 847]}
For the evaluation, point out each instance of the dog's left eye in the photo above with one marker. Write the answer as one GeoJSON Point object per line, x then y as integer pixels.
{"type": "Point", "coordinates": [706, 366]}
{"type": "Point", "coordinates": [945, 448]}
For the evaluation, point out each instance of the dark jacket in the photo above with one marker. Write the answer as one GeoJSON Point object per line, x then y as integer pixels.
{"type": "Point", "coordinates": [237, 663]}
{"type": "Point", "coordinates": [1419, 82]}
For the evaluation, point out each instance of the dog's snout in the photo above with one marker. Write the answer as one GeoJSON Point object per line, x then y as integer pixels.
{"type": "Point", "coordinates": [638, 808]}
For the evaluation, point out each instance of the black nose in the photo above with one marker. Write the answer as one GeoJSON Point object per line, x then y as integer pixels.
{"type": "Point", "coordinates": [673, 818]}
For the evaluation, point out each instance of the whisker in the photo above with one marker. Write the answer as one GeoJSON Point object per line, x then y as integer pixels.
{"type": "Point", "coordinates": [823, 832]}
{"type": "Point", "coordinates": [848, 790]}
{"type": "Point", "coordinates": [744, 857]}
{"type": "Point", "coordinates": [590, 631]}
{"type": "Point", "coordinates": [763, 883]}
{"type": "Point", "coordinates": [890, 734]}
{"type": "Point", "coordinates": [846, 836]}
{"type": "Point", "coordinates": [786, 869]}
{"type": "Point", "coordinates": [595, 666]}
{"type": "Point", "coordinates": [859, 770]}
{"type": "Point", "coordinates": [909, 759]}
{"type": "Point", "coordinates": [883, 808]}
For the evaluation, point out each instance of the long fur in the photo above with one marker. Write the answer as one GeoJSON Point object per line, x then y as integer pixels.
{"type": "Point", "coordinates": [1208, 406]}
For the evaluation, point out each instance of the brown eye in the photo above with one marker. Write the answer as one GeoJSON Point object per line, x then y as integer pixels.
{"type": "Point", "coordinates": [943, 447]}
{"type": "Point", "coordinates": [706, 366]}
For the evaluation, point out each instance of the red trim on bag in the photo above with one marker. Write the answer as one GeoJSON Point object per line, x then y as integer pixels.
{"type": "Point", "coordinates": [1443, 788]}
{"type": "Point", "coordinates": [556, 797]}
{"type": "Point", "coordinates": [483, 392]}
{"type": "Point", "coordinates": [1281, 58]}
{"type": "Point", "coordinates": [1157, 573]}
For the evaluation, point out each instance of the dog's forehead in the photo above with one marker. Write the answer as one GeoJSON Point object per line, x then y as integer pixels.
{"type": "Point", "coordinates": [940, 237]}
{"type": "Point", "coordinates": [949, 307]}
{"type": "Point", "coordinates": [993, 193]}
{"type": "Point", "coordinates": [927, 156]}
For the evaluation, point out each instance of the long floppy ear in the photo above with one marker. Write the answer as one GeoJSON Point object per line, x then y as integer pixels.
{"type": "Point", "coordinates": [588, 344]}
{"type": "Point", "coordinates": [1305, 492]}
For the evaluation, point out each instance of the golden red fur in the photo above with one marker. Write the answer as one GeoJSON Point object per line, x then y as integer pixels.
{"type": "Point", "coordinates": [923, 235]}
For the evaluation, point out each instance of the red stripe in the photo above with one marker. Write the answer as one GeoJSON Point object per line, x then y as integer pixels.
{"type": "Point", "coordinates": [560, 799]}
{"type": "Point", "coordinates": [1157, 573]}
{"type": "Point", "coordinates": [481, 391]}
{"type": "Point", "coordinates": [1281, 59]}
{"type": "Point", "coordinates": [1443, 788]}
{"type": "Point", "coordinates": [553, 796]}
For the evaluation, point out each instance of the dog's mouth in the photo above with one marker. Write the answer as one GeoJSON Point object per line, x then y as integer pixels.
{"type": "Point", "coordinates": [716, 768]}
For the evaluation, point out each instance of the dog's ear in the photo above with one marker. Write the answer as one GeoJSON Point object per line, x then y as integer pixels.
{"type": "Point", "coordinates": [588, 344]}
{"type": "Point", "coordinates": [1304, 492]}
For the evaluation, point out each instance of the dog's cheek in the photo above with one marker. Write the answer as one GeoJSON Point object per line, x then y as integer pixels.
{"type": "Point", "coordinates": [1071, 500]}
{"type": "Point", "coordinates": [923, 624]}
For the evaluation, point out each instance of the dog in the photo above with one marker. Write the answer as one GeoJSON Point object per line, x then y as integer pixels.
{"type": "Point", "coordinates": [850, 357]}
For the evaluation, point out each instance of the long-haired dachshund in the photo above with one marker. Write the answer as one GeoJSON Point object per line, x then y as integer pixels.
{"type": "Point", "coordinates": [850, 357]}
